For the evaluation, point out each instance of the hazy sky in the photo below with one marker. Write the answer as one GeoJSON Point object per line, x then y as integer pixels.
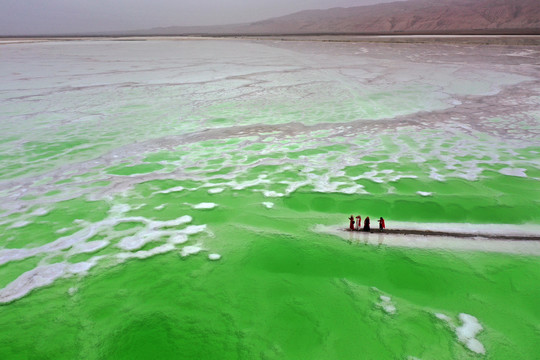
{"type": "Point", "coordinates": [32, 17]}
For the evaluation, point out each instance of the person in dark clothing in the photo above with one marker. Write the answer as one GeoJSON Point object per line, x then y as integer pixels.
{"type": "Point", "coordinates": [351, 225]}
{"type": "Point", "coordinates": [366, 224]}
{"type": "Point", "coordinates": [381, 224]}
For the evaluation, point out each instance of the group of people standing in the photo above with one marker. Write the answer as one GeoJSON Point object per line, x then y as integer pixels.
{"type": "Point", "coordinates": [366, 223]}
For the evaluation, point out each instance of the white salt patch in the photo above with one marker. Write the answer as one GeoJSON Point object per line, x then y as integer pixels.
{"type": "Point", "coordinates": [174, 189]}
{"type": "Point", "coordinates": [205, 205]}
{"type": "Point", "coordinates": [143, 254]}
{"type": "Point", "coordinates": [171, 223]}
{"type": "Point", "coordinates": [20, 224]}
{"type": "Point", "coordinates": [399, 177]}
{"type": "Point", "coordinates": [435, 175]}
{"type": "Point", "coordinates": [160, 207]}
{"type": "Point", "coordinates": [214, 256]}
{"type": "Point", "coordinates": [215, 190]}
{"type": "Point", "coordinates": [524, 53]}
{"type": "Point", "coordinates": [268, 204]}
{"type": "Point", "coordinates": [471, 175]}
{"type": "Point", "coordinates": [193, 229]}
{"type": "Point", "coordinates": [387, 305]}
{"type": "Point", "coordinates": [190, 250]}
{"type": "Point", "coordinates": [38, 277]}
{"type": "Point", "coordinates": [443, 317]}
{"type": "Point", "coordinates": [269, 193]}
{"type": "Point", "coordinates": [89, 246]}
{"type": "Point", "coordinates": [178, 239]}
{"type": "Point", "coordinates": [424, 193]}
{"type": "Point", "coordinates": [80, 268]}
{"type": "Point", "coordinates": [514, 172]}
{"type": "Point", "coordinates": [40, 212]}
{"type": "Point", "coordinates": [351, 190]}
{"type": "Point", "coordinates": [119, 209]}
{"type": "Point", "coordinates": [138, 240]}
{"type": "Point", "coordinates": [467, 332]}
{"type": "Point", "coordinates": [72, 291]}
{"type": "Point", "coordinates": [42, 276]}
{"type": "Point", "coordinates": [62, 230]}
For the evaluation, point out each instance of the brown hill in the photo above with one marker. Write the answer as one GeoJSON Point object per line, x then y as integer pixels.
{"type": "Point", "coordinates": [413, 16]}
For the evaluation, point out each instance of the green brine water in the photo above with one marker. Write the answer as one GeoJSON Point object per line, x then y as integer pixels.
{"type": "Point", "coordinates": [187, 199]}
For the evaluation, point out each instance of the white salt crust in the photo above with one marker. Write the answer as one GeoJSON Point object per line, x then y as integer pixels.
{"type": "Point", "coordinates": [268, 193]}
{"type": "Point", "coordinates": [214, 256]}
{"type": "Point", "coordinates": [190, 250]}
{"type": "Point", "coordinates": [204, 205]}
{"type": "Point", "coordinates": [143, 254]}
{"type": "Point", "coordinates": [78, 243]}
{"type": "Point", "coordinates": [171, 190]}
{"type": "Point", "coordinates": [40, 212]}
{"type": "Point", "coordinates": [268, 204]}
{"type": "Point", "coordinates": [387, 305]}
{"type": "Point", "coordinates": [20, 224]}
{"type": "Point", "coordinates": [519, 172]}
{"type": "Point", "coordinates": [385, 302]}
{"type": "Point", "coordinates": [215, 190]}
{"type": "Point", "coordinates": [42, 276]}
{"type": "Point", "coordinates": [466, 332]}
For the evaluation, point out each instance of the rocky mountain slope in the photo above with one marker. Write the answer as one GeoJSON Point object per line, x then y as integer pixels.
{"type": "Point", "coordinates": [413, 16]}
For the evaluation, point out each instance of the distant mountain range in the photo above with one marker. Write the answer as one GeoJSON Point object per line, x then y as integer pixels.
{"type": "Point", "coordinates": [413, 16]}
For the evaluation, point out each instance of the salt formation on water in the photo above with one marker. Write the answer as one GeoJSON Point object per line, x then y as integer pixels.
{"type": "Point", "coordinates": [467, 331]}
{"type": "Point", "coordinates": [126, 164]}
{"type": "Point", "coordinates": [77, 243]}
{"type": "Point", "coordinates": [386, 304]}
{"type": "Point", "coordinates": [190, 250]}
{"type": "Point", "coordinates": [42, 276]}
{"type": "Point", "coordinates": [205, 205]}
{"type": "Point", "coordinates": [268, 204]}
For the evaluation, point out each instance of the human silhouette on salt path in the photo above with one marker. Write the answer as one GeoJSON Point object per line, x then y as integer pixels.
{"type": "Point", "coordinates": [381, 224]}
{"type": "Point", "coordinates": [366, 224]}
{"type": "Point", "coordinates": [358, 222]}
{"type": "Point", "coordinates": [351, 225]}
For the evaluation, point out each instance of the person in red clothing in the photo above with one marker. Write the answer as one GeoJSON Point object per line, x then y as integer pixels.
{"type": "Point", "coordinates": [358, 222]}
{"type": "Point", "coordinates": [366, 224]}
{"type": "Point", "coordinates": [351, 225]}
{"type": "Point", "coordinates": [381, 224]}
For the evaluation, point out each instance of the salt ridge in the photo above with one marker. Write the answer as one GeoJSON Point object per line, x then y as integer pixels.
{"type": "Point", "coordinates": [440, 242]}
